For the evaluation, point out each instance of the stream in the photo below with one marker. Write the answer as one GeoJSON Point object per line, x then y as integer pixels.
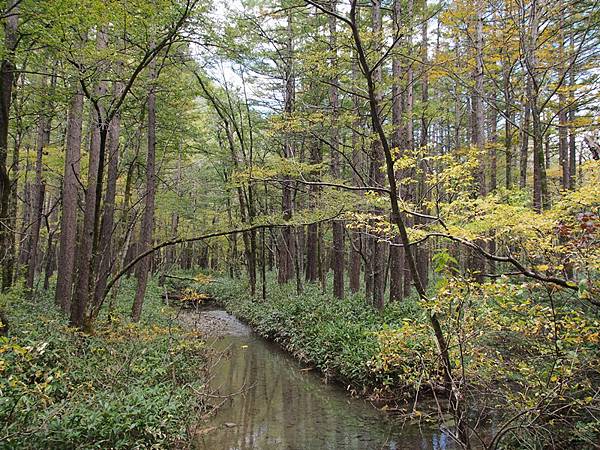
{"type": "Point", "coordinates": [278, 404]}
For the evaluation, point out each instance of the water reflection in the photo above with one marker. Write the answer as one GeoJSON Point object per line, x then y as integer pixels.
{"type": "Point", "coordinates": [281, 406]}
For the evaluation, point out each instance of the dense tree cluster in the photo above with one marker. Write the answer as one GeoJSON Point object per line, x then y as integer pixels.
{"type": "Point", "coordinates": [409, 149]}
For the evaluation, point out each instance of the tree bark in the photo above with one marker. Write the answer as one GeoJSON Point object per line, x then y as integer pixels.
{"type": "Point", "coordinates": [312, 234]}
{"type": "Point", "coordinates": [85, 251]}
{"type": "Point", "coordinates": [396, 252]}
{"type": "Point", "coordinates": [143, 267]}
{"type": "Point", "coordinates": [286, 247]}
{"type": "Point", "coordinates": [571, 116]}
{"type": "Point", "coordinates": [421, 250]}
{"type": "Point", "coordinates": [525, 131]}
{"type": "Point", "coordinates": [408, 130]}
{"type": "Point", "coordinates": [540, 187]}
{"type": "Point", "coordinates": [509, 118]}
{"type": "Point", "coordinates": [478, 132]}
{"type": "Point", "coordinates": [43, 139]}
{"type": "Point", "coordinates": [7, 76]}
{"type": "Point", "coordinates": [106, 256]}
{"type": "Point", "coordinates": [68, 221]}
{"type": "Point", "coordinates": [377, 177]}
{"type": "Point", "coordinates": [338, 225]}
{"type": "Point", "coordinates": [357, 168]}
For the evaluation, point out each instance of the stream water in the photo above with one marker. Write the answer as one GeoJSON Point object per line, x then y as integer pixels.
{"type": "Point", "coordinates": [279, 405]}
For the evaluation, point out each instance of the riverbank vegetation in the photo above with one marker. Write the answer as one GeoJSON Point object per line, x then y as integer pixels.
{"type": "Point", "coordinates": [420, 178]}
{"type": "Point", "coordinates": [512, 361]}
{"type": "Point", "coordinates": [129, 385]}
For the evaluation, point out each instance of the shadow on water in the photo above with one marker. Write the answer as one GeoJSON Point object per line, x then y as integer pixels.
{"type": "Point", "coordinates": [278, 405]}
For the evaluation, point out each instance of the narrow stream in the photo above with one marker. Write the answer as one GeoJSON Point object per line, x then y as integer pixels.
{"type": "Point", "coordinates": [278, 405]}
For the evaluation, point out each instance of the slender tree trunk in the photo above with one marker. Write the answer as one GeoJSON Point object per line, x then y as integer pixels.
{"type": "Point", "coordinates": [10, 266]}
{"type": "Point", "coordinates": [421, 251]}
{"type": "Point", "coordinates": [287, 241]}
{"type": "Point", "coordinates": [478, 132]}
{"type": "Point", "coordinates": [492, 155]}
{"type": "Point", "coordinates": [396, 251]}
{"type": "Point", "coordinates": [540, 188]}
{"type": "Point", "coordinates": [525, 131]}
{"type": "Point", "coordinates": [338, 225]}
{"type": "Point", "coordinates": [312, 234]}
{"type": "Point", "coordinates": [509, 118]}
{"type": "Point", "coordinates": [171, 254]}
{"type": "Point", "coordinates": [409, 145]}
{"type": "Point", "coordinates": [25, 215]}
{"type": "Point", "coordinates": [106, 255]}
{"type": "Point", "coordinates": [355, 237]}
{"type": "Point", "coordinates": [7, 76]}
{"type": "Point", "coordinates": [85, 252]}
{"type": "Point", "coordinates": [143, 267]}
{"type": "Point", "coordinates": [68, 221]}
{"type": "Point", "coordinates": [571, 117]}
{"type": "Point", "coordinates": [563, 139]}
{"type": "Point", "coordinates": [43, 139]}
{"type": "Point", "coordinates": [377, 248]}
{"type": "Point", "coordinates": [50, 259]}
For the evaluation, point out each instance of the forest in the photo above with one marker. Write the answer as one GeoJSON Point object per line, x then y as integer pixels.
{"type": "Point", "coordinates": [402, 195]}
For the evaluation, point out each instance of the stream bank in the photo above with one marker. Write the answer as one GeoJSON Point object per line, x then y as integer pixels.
{"type": "Point", "coordinates": [266, 399]}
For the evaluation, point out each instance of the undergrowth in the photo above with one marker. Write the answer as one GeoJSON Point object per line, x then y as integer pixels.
{"type": "Point", "coordinates": [126, 386]}
{"type": "Point", "coordinates": [338, 337]}
{"type": "Point", "coordinates": [523, 357]}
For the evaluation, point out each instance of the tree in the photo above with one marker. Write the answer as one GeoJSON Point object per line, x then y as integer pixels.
{"type": "Point", "coordinates": [7, 76]}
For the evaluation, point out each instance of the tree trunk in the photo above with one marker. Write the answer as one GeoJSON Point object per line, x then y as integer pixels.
{"type": "Point", "coordinates": [396, 252]}
{"type": "Point", "coordinates": [312, 234]}
{"type": "Point", "coordinates": [540, 187]}
{"type": "Point", "coordinates": [106, 252]}
{"type": "Point", "coordinates": [409, 145]}
{"type": "Point", "coordinates": [338, 225]}
{"type": "Point", "coordinates": [571, 117]}
{"type": "Point", "coordinates": [143, 266]}
{"type": "Point", "coordinates": [85, 252]}
{"type": "Point", "coordinates": [377, 177]}
{"type": "Point", "coordinates": [525, 131]}
{"type": "Point", "coordinates": [68, 221]}
{"type": "Point", "coordinates": [43, 139]}
{"type": "Point", "coordinates": [7, 76]}
{"type": "Point", "coordinates": [355, 237]}
{"type": "Point", "coordinates": [509, 118]}
{"type": "Point", "coordinates": [478, 132]}
{"type": "Point", "coordinates": [286, 245]}
{"type": "Point", "coordinates": [10, 267]}
{"type": "Point", "coordinates": [421, 250]}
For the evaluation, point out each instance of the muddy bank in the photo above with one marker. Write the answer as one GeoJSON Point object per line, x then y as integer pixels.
{"type": "Point", "coordinates": [213, 322]}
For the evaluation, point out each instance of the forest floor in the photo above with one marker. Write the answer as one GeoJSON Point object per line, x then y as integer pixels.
{"type": "Point", "coordinates": [125, 385]}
